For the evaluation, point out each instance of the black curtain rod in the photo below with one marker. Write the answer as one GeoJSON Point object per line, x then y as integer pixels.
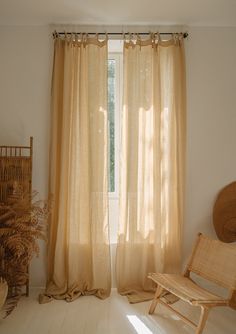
{"type": "Point", "coordinates": [185, 34]}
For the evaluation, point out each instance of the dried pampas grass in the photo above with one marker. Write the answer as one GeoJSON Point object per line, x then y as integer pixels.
{"type": "Point", "coordinates": [22, 222]}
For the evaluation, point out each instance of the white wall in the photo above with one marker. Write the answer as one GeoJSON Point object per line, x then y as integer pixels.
{"type": "Point", "coordinates": [25, 78]}
{"type": "Point", "coordinates": [211, 125]}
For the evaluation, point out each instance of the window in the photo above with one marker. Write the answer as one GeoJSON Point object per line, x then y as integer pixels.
{"type": "Point", "coordinates": [111, 122]}
{"type": "Point", "coordinates": [114, 104]}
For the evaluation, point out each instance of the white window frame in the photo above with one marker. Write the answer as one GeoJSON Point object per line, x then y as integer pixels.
{"type": "Point", "coordinates": [118, 57]}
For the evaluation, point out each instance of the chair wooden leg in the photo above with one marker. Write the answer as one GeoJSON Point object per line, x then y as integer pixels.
{"type": "Point", "coordinates": [203, 319]}
{"type": "Point", "coordinates": [155, 299]}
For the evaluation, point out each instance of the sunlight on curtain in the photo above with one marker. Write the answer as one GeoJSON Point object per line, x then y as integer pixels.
{"type": "Point", "coordinates": [152, 164]}
{"type": "Point", "coordinates": [79, 257]}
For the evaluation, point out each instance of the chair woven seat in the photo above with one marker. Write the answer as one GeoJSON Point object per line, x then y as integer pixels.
{"type": "Point", "coordinates": [186, 289]}
{"type": "Point", "coordinates": [211, 260]}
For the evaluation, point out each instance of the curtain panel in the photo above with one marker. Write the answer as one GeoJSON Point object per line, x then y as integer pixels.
{"type": "Point", "coordinates": [79, 255]}
{"type": "Point", "coordinates": [152, 165]}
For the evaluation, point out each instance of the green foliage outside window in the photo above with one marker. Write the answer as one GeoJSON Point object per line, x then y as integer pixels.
{"type": "Point", "coordinates": [111, 122]}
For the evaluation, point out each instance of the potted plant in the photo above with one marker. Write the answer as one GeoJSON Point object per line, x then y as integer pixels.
{"type": "Point", "coordinates": [22, 222]}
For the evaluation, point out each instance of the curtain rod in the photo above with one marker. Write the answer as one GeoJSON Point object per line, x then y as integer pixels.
{"type": "Point", "coordinates": [185, 34]}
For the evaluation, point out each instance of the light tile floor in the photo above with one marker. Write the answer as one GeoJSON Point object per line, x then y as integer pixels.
{"type": "Point", "coordinates": [89, 315]}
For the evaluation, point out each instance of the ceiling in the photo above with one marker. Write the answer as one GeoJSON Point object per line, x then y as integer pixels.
{"type": "Point", "coordinates": [121, 12]}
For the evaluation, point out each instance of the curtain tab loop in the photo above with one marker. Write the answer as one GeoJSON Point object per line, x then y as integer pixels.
{"type": "Point", "coordinates": [130, 37]}
{"type": "Point", "coordinates": [139, 41]}
{"type": "Point", "coordinates": [55, 34]}
{"type": "Point", "coordinates": [157, 37]}
{"type": "Point", "coordinates": [175, 37]}
{"type": "Point", "coordinates": [77, 37]}
{"type": "Point", "coordinates": [71, 37]}
{"type": "Point", "coordinates": [181, 37]}
{"type": "Point", "coordinates": [152, 37]}
{"type": "Point", "coordinates": [133, 39]}
{"type": "Point", "coordinates": [83, 40]}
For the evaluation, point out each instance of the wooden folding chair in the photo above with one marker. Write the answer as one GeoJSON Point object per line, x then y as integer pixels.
{"type": "Point", "coordinates": [211, 259]}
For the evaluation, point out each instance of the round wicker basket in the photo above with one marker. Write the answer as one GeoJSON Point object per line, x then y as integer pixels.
{"type": "Point", "coordinates": [3, 292]}
{"type": "Point", "coordinates": [224, 213]}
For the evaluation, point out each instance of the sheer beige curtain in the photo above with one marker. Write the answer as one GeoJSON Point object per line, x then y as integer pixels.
{"type": "Point", "coordinates": [152, 164]}
{"type": "Point", "coordinates": [79, 256]}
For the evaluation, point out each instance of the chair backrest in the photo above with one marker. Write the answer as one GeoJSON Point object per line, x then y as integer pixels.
{"type": "Point", "coordinates": [215, 261]}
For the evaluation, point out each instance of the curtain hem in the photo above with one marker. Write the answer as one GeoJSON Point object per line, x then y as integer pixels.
{"type": "Point", "coordinates": [72, 294]}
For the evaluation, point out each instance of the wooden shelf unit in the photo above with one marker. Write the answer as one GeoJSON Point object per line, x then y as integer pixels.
{"type": "Point", "coordinates": [16, 175]}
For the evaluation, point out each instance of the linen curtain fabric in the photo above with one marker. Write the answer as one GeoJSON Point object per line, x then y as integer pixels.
{"type": "Point", "coordinates": [79, 256]}
{"type": "Point", "coordinates": [152, 164]}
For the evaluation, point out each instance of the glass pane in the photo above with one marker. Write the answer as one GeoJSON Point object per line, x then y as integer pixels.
{"type": "Point", "coordinates": [111, 122]}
